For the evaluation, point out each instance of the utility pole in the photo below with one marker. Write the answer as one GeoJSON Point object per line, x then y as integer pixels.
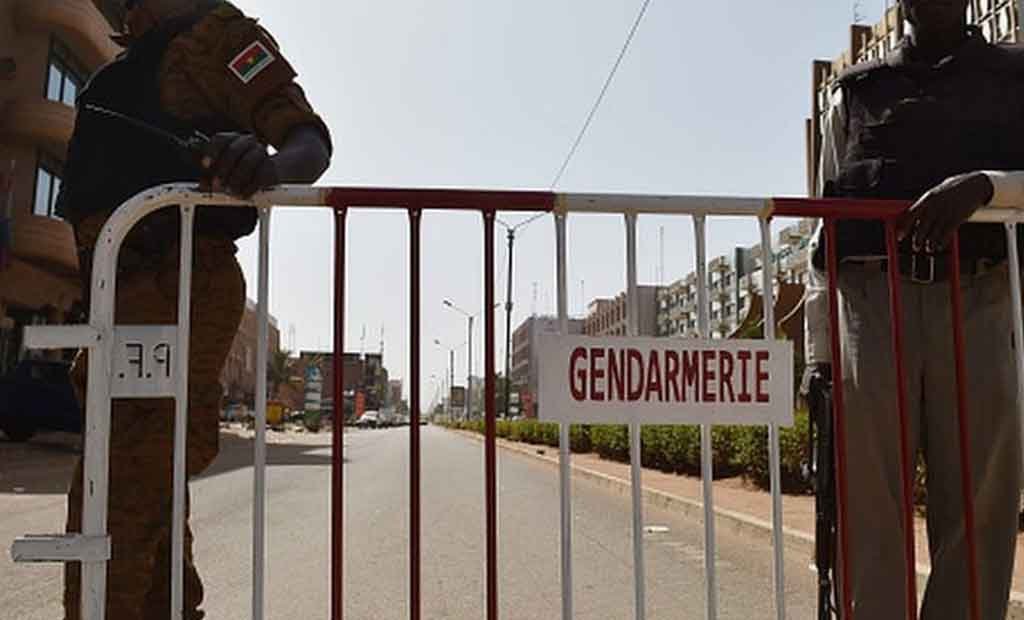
{"type": "Point", "coordinates": [508, 322]}
{"type": "Point", "coordinates": [511, 230]}
{"type": "Point", "coordinates": [661, 250]}
{"type": "Point", "coordinates": [449, 376]}
{"type": "Point", "coordinates": [469, 365]}
{"type": "Point", "coordinates": [469, 372]}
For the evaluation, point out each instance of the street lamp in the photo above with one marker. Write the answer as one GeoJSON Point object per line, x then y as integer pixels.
{"type": "Point", "coordinates": [450, 375]}
{"type": "Point", "coordinates": [511, 230]}
{"type": "Point", "coordinates": [469, 364]}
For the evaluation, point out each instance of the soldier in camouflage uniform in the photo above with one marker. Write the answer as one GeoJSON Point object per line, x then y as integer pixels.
{"type": "Point", "coordinates": [188, 65]}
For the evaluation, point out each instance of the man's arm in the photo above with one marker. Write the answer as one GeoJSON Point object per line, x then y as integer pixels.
{"type": "Point", "coordinates": [818, 344]}
{"type": "Point", "coordinates": [229, 67]}
{"type": "Point", "coordinates": [931, 221]}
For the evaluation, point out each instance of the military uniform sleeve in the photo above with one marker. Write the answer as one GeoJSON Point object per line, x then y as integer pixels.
{"type": "Point", "coordinates": [833, 141]}
{"type": "Point", "coordinates": [818, 344]}
{"type": "Point", "coordinates": [230, 65]}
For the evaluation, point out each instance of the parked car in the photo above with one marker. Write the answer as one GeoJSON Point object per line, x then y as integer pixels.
{"type": "Point", "coordinates": [37, 396]}
{"type": "Point", "coordinates": [370, 419]}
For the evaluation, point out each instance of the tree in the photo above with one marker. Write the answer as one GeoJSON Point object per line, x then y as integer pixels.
{"type": "Point", "coordinates": [279, 369]}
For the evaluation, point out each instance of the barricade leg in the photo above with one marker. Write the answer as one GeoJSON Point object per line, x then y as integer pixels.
{"type": "Point", "coordinates": [564, 453]}
{"type": "Point", "coordinates": [259, 526]}
{"type": "Point", "coordinates": [967, 487]}
{"type": "Point", "coordinates": [491, 421]}
{"type": "Point", "coordinates": [774, 453]}
{"type": "Point", "coordinates": [706, 454]}
{"type": "Point", "coordinates": [907, 459]}
{"type": "Point", "coordinates": [338, 426]}
{"type": "Point", "coordinates": [415, 216]}
{"type": "Point", "coordinates": [839, 416]}
{"type": "Point", "coordinates": [632, 316]}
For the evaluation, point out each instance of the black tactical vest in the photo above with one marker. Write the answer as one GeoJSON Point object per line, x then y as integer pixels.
{"type": "Point", "coordinates": [912, 125]}
{"type": "Point", "coordinates": [110, 161]}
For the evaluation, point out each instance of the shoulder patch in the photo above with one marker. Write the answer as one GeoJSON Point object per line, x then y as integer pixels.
{"type": "Point", "coordinates": [251, 61]}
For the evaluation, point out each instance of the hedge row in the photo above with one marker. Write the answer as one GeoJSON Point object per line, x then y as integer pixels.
{"type": "Point", "coordinates": [736, 450]}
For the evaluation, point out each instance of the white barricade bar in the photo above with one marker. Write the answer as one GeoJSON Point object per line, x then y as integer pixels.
{"type": "Point", "coordinates": [588, 380]}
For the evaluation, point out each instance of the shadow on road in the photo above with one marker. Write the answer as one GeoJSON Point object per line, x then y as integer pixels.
{"type": "Point", "coordinates": [44, 465]}
{"type": "Point", "coordinates": [41, 466]}
{"type": "Point", "coordinates": [237, 453]}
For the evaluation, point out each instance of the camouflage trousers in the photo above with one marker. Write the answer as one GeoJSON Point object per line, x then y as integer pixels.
{"type": "Point", "coordinates": [141, 436]}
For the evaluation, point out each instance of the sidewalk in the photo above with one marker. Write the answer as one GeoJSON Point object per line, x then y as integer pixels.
{"type": "Point", "coordinates": [737, 505]}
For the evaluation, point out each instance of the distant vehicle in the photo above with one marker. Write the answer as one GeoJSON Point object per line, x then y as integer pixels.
{"type": "Point", "coordinates": [370, 419]}
{"type": "Point", "coordinates": [389, 417]}
{"type": "Point", "coordinates": [37, 396]}
{"type": "Point", "coordinates": [235, 412]}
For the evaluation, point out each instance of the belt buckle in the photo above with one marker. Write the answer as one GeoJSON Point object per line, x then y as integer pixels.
{"type": "Point", "coordinates": [914, 277]}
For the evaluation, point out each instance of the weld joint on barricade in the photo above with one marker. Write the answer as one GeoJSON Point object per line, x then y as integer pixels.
{"type": "Point", "coordinates": [415, 212]}
{"type": "Point", "coordinates": [560, 205]}
{"type": "Point", "coordinates": [334, 199]}
{"type": "Point", "coordinates": [768, 210]}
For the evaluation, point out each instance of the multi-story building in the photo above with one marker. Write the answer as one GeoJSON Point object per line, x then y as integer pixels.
{"type": "Point", "coordinates": [998, 20]}
{"type": "Point", "coordinates": [523, 371]}
{"type": "Point", "coordinates": [362, 374]}
{"type": "Point", "coordinates": [240, 370]}
{"type": "Point", "coordinates": [47, 52]}
{"type": "Point", "coordinates": [395, 392]}
{"type": "Point", "coordinates": [608, 317]}
{"type": "Point", "coordinates": [734, 282]}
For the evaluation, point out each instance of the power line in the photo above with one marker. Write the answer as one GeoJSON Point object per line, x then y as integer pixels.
{"type": "Point", "coordinates": [600, 96]}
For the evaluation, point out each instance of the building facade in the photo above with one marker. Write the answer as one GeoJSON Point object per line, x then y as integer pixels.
{"type": "Point", "coordinates": [525, 338]}
{"type": "Point", "coordinates": [241, 370]}
{"type": "Point", "coordinates": [47, 52]}
{"type": "Point", "coordinates": [608, 316]}
{"type": "Point", "coordinates": [734, 282]}
{"type": "Point", "coordinates": [362, 374]}
{"type": "Point", "coordinates": [998, 20]}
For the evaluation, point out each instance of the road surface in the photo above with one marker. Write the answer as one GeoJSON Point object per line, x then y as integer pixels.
{"type": "Point", "coordinates": [32, 479]}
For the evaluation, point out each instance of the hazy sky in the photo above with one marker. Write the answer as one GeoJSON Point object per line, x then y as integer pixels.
{"type": "Point", "coordinates": [711, 99]}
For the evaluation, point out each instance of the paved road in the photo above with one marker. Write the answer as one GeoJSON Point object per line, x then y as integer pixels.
{"type": "Point", "coordinates": [377, 557]}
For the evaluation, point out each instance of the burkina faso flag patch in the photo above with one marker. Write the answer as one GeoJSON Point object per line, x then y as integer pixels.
{"type": "Point", "coordinates": [251, 61]}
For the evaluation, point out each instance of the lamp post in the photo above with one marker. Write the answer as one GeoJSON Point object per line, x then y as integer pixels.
{"type": "Point", "coordinates": [469, 363]}
{"type": "Point", "coordinates": [450, 376]}
{"type": "Point", "coordinates": [511, 230]}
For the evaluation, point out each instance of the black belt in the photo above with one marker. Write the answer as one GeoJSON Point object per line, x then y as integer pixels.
{"type": "Point", "coordinates": [932, 268]}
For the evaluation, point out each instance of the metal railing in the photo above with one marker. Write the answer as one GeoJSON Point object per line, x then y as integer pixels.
{"type": "Point", "coordinates": [100, 337]}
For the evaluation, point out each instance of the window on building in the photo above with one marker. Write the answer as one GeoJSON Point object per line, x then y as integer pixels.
{"type": "Point", "coordinates": [48, 180]}
{"type": "Point", "coordinates": [64, 78]}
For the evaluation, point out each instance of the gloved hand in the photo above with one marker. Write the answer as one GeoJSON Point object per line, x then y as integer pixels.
{"type": "Point", "coordinates": [239, 164]}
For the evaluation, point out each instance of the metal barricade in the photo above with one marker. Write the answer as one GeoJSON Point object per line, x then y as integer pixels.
{"type": "Point", "coordinates": [101, 337]}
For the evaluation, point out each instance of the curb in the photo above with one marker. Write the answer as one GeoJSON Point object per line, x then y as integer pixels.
{"type": "Point", "coordinates": [737, 522]}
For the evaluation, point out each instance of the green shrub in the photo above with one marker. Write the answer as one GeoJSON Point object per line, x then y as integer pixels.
{"type": "Point", "coordinates": [736, 450]}
{"type": "Point", "coordinates": [579, 439]}
{"type": "Point", "coordinates": [752, 453]}
{"type": "Point", "coordinates": [610, 442]}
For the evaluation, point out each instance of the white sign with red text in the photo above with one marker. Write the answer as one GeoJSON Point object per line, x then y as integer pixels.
{"type": "Point", "coordinates": [587, 380]}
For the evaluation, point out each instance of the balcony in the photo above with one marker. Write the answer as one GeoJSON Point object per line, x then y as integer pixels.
{"type": "Point", "coordinates": [47, 243]}
{"type": "Point", "coordinates": [38, 122]}
{"type": "Point", "coordinates": [77, 22]}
